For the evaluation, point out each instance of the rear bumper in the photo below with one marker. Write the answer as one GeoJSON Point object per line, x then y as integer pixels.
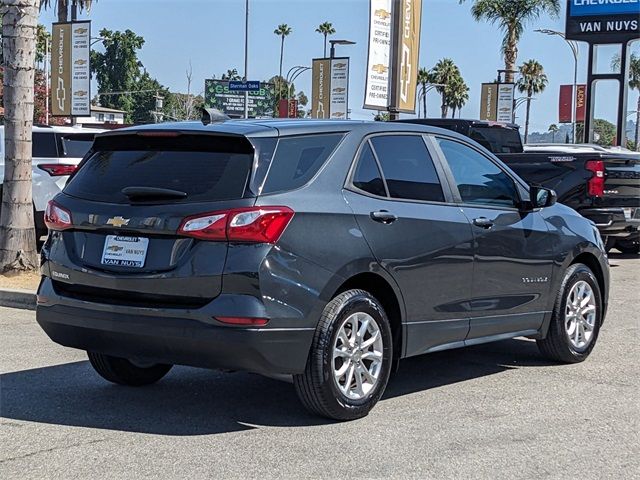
{"type": "Point", "coordinates": [612, 221]}
{"type": "Point", "coordinates": [172, 336]}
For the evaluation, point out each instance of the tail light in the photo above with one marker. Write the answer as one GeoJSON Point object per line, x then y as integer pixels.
{"type": "Point", "coordinates": [247, 225]}
{"type": "Point", "coordinates": [595, 184]}
{"type": "Point", "coordinates": [58, 169]}
{"type": "Point", "coordinates": [57, 217]}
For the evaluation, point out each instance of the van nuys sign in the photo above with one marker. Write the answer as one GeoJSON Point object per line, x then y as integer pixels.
{"type": "Point", "coordinates": [603, 21]}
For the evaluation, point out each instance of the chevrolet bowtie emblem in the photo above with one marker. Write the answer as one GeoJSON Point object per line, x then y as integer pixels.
{"type": "Point", "coordinates": [118, 221]}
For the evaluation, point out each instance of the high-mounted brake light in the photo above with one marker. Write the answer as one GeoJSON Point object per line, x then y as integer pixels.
{"type": "Point", "coordinates": [247, 225]}
{"type": "Point", "coordinates": [58, 169]}
{"type": "Point", "coordinates": [159, 134]}
{"type": "Point", "coordinates": [595, 185]}
{"type": "Point", "coordinates": [57, 217]}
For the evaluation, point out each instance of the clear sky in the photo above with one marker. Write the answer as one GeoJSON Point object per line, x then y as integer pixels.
{"type": "Point", "coordinates": [210, 35]}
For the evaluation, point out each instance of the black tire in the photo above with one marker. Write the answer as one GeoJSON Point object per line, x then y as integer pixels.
{"type": "Point", "coordinates": [316, 387]}
{"type": "Point", "coordinates": [123, 372]}
{"type": "Point", "coordinates": [556, 345]}
{"type": "Point", "coordinates": [629, 247]}
{"type": "Point", "coordinates": [609, 243]}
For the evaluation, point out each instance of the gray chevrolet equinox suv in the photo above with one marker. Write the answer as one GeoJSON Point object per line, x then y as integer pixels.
{"type": "Point", "coordinates": [323, 250]}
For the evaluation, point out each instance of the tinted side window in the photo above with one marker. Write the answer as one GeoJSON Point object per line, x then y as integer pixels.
{"type": "Point", "coordinates": [408, 168]}
{"type": "Point", "coordinates": [479, 180]}
{"type": "Point", "coordinates": [44, 145]}
{"type": "Point", "coordinates": [497, 139]}
{"type": "Point", "coordinates": [298, 159]}
{"type": "Point", "coordinates": [367, 175]}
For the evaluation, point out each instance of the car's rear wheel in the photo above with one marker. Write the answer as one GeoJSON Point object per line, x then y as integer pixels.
{"type": "Point", "coordinates": [127, 372]}
{"type": "Point", "coordinates": [629, 247]}
{"type": "Point", "coordinates": [576, 318]}
{"type": "Point", "coordinates": [350, 360]}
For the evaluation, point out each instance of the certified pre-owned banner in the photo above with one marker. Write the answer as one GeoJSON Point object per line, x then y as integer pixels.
{"type": "Point", "coordinates": [70, 80]}
{"type": "Point", "coordinates": [376, 91]}
{"type": "Point", "coordinates": [409, 47]}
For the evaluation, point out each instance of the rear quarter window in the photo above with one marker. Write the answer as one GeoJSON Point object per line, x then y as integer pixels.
{"type": "Point", "coordinates": [44, 145]}
{"type": "Point", "coordinates": [297, 159]}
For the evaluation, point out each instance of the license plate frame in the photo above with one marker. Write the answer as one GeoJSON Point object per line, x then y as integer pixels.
{"type": "Point", "coordinates": [125, 251]}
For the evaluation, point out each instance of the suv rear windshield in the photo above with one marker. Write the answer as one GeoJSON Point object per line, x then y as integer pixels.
{"type": "Point", "coordinates": [204, 168]}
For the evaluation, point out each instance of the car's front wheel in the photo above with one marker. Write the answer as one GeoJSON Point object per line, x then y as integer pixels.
{"type": "Point", "coordinates": [576, 318]}
{"type": "Point", "coordinates": [127, 372]}
{"type": "Point", "coordinates": [350, 360]}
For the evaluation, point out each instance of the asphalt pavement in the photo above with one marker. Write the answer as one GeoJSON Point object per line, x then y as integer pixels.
{"type": "Point", "coordinates": [491, 411]}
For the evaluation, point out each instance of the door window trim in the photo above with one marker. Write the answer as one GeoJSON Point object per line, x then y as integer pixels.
{"type": "Point", "coordinates": [433, 139]}
{"type": "Point", "coordinates": [440, 172]}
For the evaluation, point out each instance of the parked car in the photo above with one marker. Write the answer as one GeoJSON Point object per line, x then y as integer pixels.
{"type": "Point", "coordinates": [319, 249]}
{"type": "Point", "coordinates": [56, 154]}
{"type": "Point", "coordinates": [601, 184]}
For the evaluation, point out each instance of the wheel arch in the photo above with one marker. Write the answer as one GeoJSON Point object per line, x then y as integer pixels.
{"type": "Point", "coordinates": [592, 262]}
{"type": "Point", "coordinates": [390, 299]}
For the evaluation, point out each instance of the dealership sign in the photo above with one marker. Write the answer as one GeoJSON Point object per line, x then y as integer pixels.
{"type": "Point", "coordinates": [496, 102]}
{"type": "Point", "coordinates": [603, 21]}
{"type": "Point", "coordinates": [377, 81]}
{"type": "Point", "coordinates": [330, 88]}
{"type": "Point", "coordinates": [218, 94]}
{"type": "Point", "coordinates": [70, 79]}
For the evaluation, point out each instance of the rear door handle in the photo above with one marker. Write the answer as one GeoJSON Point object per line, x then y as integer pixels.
{"type": "Point", "coordinates": [483, 222]}
{"type": "Point", "coordinates": [383, 216]}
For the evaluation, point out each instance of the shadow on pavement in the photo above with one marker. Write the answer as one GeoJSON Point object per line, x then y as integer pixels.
{"type": "Point", "coordinates": [192, 401]}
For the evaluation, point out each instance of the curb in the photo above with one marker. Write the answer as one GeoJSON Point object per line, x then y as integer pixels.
{"type": "Point", "coordinates": [24, 299]}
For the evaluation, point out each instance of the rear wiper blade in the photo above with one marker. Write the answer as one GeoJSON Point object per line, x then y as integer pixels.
{"type": "Point", "coordinates": [152, 192]}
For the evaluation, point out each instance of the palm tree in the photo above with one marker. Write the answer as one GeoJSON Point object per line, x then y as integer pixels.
{"type": "Point", "coordinates": [283, 31]}
{"type": "Point", "coordinates": [445, 73]}
{"type": "Point", "coordinates": [424, 79]}
{"type": "Point", "coordinates": [532, 81]}
{"type": "Point", "coordinates": [553, 128]}
{"type": "Point", "coordinates": [458, 95]}
{"type": "Point", "coordinates": [63, 6]}
{"type": "Point", "coordinates": [512, 16]}
{"type": "Point", "coordinates": [17, 235]}
{"type": "Point", "coordinates": [325, 29]}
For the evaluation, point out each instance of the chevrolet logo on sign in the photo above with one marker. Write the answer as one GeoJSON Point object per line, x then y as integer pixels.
{"type": "Point", "coordinates": [380, 68]}
{"type": "Point", "coordinates": [382, 14]}
{"type": "Point", "coordinates": [118, 221]}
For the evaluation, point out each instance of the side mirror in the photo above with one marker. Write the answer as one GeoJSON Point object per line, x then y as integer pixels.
{"type": "Point", "coordinates": [542, 197]}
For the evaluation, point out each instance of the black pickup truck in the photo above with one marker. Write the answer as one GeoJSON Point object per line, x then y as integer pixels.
{"type": "Point", "coordinates": [603, 185]}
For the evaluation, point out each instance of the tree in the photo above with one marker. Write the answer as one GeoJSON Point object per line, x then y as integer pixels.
{"type": "Point", "coordinates": [424, 79]}
{"type": "Point", "coordinates": [445, 73]}
{"type": "Point", "coordinates": [231, 75]}
{"type": "Point", "coordinates": [118, 69]}
{"type": "Point", "coordinates": [553, 128]}
{"type": "Point", "coordinates": [604, 132]}
{"type": "Point", "coordinates": [283, 31]}
{"type": "Point", "coordinates": [634, 84]}
{"type": "Point", "coordinates": [326, 29]}
{"type": "Point", "coordinates": [458, 95]}
{"type": "Point", "coordinates": [17, 235]}
{"type": "Point", "coordinates": [532, 81]}
{"type": "Point", "coordinates": [512, 16]}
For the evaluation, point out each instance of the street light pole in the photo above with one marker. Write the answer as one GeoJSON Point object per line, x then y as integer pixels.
{"type": "Point", "coordinates": [246, 58]}
{"type": "Point", "coordinates": [575, 50]}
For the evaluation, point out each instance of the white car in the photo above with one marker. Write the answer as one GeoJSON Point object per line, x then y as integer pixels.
{"type": "Point", "coordinates": [56, 154]}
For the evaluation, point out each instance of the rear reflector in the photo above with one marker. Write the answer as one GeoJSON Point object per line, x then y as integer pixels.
{"type": "Point", "coordinates": [58, 169]}
{"type": "Point", "coordinates": [247, 225]}
{"type": "Point", "coordinates": [57, 217]}
{"type": "Point", "coordinates": [595, 184]}
{"type": "Point", "coordinates": [246, 321]}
